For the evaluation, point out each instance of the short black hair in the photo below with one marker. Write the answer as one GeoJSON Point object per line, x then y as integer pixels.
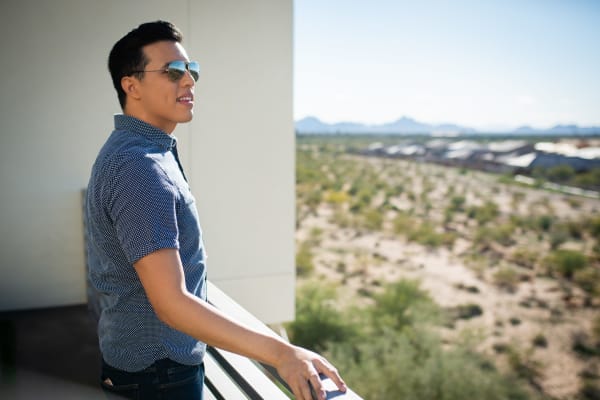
{"type": "Point", "coordinates": [127, 55]}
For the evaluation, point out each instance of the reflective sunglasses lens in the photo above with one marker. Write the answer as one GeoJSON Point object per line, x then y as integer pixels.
{"type": "Point", "coordinates": [176, 70]}
{"type": "Point", "coordinates": [194, 69]}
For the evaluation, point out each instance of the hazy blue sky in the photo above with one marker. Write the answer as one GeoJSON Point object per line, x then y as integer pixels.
{"type": "Point", "coordinates": [481, 63]}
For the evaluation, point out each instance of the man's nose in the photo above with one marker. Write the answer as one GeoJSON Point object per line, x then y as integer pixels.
{"type": "Point", "coordinates": [188, 79]}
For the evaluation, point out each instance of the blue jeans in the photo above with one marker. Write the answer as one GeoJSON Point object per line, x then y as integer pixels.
{"type": "Point", "coordinates": [164, 380]}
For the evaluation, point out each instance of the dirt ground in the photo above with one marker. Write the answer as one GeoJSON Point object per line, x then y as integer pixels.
{"type": "Point", "coordinates": [536, 306]}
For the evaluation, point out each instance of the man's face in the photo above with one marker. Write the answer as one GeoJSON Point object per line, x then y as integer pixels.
{"type": "Point", "coordinates": [160, 101]}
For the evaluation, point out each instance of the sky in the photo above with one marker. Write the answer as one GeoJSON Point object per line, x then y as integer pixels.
{"type": "Point", "coordinates": [486, 64]}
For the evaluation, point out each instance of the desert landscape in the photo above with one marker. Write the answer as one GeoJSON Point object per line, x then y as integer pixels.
{"type": "Point", "coordinates": [516, 266]}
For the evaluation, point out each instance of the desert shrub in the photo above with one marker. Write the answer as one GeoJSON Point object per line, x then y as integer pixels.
{"type": "Point", "coordinates": [506, 278]}
{"type": "Point", "coordinates": [559, 234]}
{"type": "Point", "coordinates": [427, 235]}
{"type": "Point", "coordinates": [590, 390]}
{"type": "Point", "coordinates": [517, 197]}
{"type": "Point", "coordinates": [589, 179]}
{"type": "Point", "coordinates": [372, 219]}
{"type": "Point", "coordinates": [560, 173]}
{"type": "Point", "coordinates": [484, 213]}
{"type": "Point", "coordinates": [544, 222]}
{"type": "Point", "coordinates": [575, 229]}
{"type": "Point", "coordinates": [596, 329]}
{"type": "Point", "coordinates": [524, 257]}
{"type": "Point", "coordinates": [413, 364]}
{"type": "Point", "coordinates": [528, 222]}
{"type": "Point", "coordinates": [362, 193]}
{"type": "Point", "coordinates": [317, 321]}
{"type": "Point", "coordinates": [464, 311]}
{"type": "Point", "coordinates": [502, 234]}
{"type": "Point", "coordinates": [315, 236]}
{"type": "Point", "coordinates": [402, 304]}
{"type": "Point", "coordinates": [588, 278]}
{"type": "Point", "coordinates": [477, 263]}
{"type": "Point", "coordinates": [594, 227]}
{"type": "Point", "coordinates": [304, 260]}
{"type": "Point", "coordinates": [523, 365]}
{"type": "Point", "coordinates": [566, 262]}
{"type": "Point", "coordinates": [312, 198]}
{"type": "Point", "coordinates": [540, 340]}
{"type": "Point", "coordinates": [457, 203]}
{"type": "Point", "coordinates": [342, 219]}
{"type": "Point", "coordinates": [573, 202]}
{"type": "Point", "coordinates": [336, 197]}
{"type": "Point", "coordinates": [403, 223]}
{"type": "Point", "coordinates": [585, 344]}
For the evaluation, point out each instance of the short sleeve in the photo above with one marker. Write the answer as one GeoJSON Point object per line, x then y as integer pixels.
{"type": "Point", "coordinates": [142, 206]}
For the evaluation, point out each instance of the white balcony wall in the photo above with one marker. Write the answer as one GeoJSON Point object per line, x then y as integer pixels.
{"type": "Point", "coordinates": [56, 108]}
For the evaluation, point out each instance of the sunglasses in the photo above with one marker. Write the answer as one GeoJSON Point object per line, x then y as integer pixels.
{"type": "Point", "coordinates": [175, 70]}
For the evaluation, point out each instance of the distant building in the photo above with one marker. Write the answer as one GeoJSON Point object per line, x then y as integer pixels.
{"type": "Point", "coordinates": [506, 156]}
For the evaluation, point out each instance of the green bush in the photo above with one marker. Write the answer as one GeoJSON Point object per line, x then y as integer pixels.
{"type": "Point", "coordinates": [544, 222]}
{"type": "Point", "coordinates": [502, 234]}
{"type": "Point", "coordinates": [540, 340]}
{"type": "Point", "coordinates": [559, 234]}
{"type": "Point", "coordinates": [506, 278]}
{"type": "Point", "coordinates": [524, 257]}
{"type": "Point", "coordinates": [403, 223]}
{"type": "Point", "coordinates": [372, 219]}
{"type": "Point", "coordinates": [596, 328]}
{"type": "Point", "coordinates": [566, 262]}
{"type": "Point", "coordinates": [304, 260]}
{"type": "Point", "coordinates": [589, 179]}
{"type": "Point", "coordinates": [523, 365]}
{"type": "Point", "coordinates": [426, 235]}
{"type": "Point", "coordinates": [560, 173]}
{"type": "Point", "coordinates": [465, 311]}
{"type": "Point", "coordinates": [488, 212]}
{"type": "Point", "coordinates": [336, 197]}
{"type": "Point", "coordinates": [590, 390]}
{"type": "Point", "coordinates": [588, 278]}
{"type": "Point", "coordinates": [362, 199]}
{"type": "Point", "coordinates": [318, 322]}
{"type": "Point", "coordinates": [402, 304]}
{"type": "Point", "coordinates": [414, 364]}
{"type": "Point", "coordinates": [594, 227]}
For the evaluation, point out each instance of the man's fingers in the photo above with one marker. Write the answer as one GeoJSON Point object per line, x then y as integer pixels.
{"type": "Point", "coordinates": [331, 372]}
{"type": "Point", "coordinates": [305, 391]}
{"type": "Point", "coordinates": [317, 386]}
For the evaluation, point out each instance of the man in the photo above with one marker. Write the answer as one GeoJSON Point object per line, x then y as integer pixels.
{"type": "Point", "coordinates": [145, 251]}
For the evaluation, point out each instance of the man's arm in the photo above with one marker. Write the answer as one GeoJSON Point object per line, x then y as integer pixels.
{"type": "Point", "coordinates": [161, 274]}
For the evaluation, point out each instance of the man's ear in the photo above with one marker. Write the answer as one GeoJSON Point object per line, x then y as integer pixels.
{"type": "Point", "coordinates": [130, 86]}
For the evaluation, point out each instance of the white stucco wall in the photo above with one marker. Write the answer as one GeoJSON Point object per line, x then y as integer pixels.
{"type": "Point", "coordinates": [56, 107]}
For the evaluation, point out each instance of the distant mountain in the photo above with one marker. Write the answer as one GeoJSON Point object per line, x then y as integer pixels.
{"type": "Point", "coordinates": [404, 125]}
{"type": "Point", "coordinates": [407, 125]}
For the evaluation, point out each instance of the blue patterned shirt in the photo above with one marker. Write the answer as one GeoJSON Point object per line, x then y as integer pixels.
{"type": "Point", "coordinates": [138, 201]}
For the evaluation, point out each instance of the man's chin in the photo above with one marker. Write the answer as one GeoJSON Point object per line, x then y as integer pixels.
{"type": "Point", "coordinates": [187, 118]}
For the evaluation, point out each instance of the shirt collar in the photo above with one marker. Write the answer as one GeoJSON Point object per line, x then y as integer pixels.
{"type": "Point", "coordinates": [132, 124]}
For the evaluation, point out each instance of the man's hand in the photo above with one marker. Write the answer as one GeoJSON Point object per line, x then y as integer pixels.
{"type": "Point", "coordinates": [298, 367]}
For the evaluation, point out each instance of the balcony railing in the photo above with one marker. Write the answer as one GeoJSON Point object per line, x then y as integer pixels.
{"type": "Point", "coordinates": [230, 376]}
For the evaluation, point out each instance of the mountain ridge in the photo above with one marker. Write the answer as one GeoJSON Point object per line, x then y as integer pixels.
{"type": "Point", "coordinates": [408, 125]}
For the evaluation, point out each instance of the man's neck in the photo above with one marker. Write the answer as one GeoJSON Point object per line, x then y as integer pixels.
{"type": "Point", "coordinates": [168, 128]}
